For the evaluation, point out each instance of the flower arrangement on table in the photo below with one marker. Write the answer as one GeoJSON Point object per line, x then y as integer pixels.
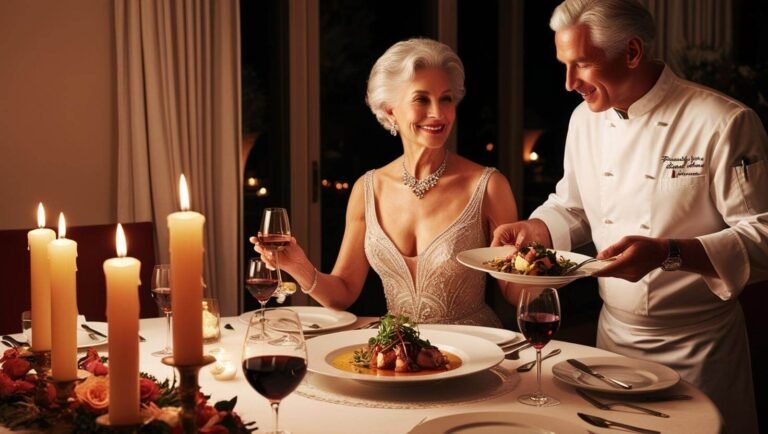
{"type": "Point", "coordinates": [159, 400]}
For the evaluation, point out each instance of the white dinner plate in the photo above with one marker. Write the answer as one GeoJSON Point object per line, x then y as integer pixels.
{"type": "Point", "coordinates": [643, 375]}
{"type": "Point", "coordinates": [476, 354]}
{"type": "Point", "coordinates": [327, 319]}
{"type": "Point", "coordinates": [492, 422]}
{"type": "Point", "coordinates": [500, 337]}
{"type": "Point", "coordinates": [474, 259]}
{"type": "Point", "coordinates": [83, 339]}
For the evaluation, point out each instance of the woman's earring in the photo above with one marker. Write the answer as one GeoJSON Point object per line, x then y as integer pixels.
{"type": "Point", "coordinates": [393, 129]}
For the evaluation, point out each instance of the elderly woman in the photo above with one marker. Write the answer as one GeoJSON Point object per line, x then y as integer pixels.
{"type": "Point", "coordinates": [410, 218]}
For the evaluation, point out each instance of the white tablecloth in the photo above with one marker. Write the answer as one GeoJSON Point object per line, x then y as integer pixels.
{"type": "Point", "coordinates": [304, 415]}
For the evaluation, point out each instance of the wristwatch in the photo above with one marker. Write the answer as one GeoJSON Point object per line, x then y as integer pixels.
{"type": "Point", "coordinates": [674, 261]}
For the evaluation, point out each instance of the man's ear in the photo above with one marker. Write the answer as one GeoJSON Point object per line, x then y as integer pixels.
{"type": "Point", "coordinates": [635, 51]}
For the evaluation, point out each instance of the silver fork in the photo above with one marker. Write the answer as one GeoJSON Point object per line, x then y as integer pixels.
{"type": "Point", "coordinates": [587, 261]}
{"type": "Point", "coordinates": [528, 366]}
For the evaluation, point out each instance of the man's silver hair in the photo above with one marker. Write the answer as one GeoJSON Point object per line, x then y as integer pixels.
{"type": "Point", "coordinates": [611, 22]}
{"type": "Point", "coordinates": [397, 66]}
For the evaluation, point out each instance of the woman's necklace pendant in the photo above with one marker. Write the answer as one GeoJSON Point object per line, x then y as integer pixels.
{"type": "Point", "coordinates": [419, 188]}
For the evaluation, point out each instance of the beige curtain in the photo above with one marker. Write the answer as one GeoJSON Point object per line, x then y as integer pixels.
{"type": "Point", "coordinates": [178, 93]}
{"type": "Point", "coordinates": [702, 24]}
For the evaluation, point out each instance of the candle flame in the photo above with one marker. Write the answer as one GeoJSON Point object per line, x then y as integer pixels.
{"type": "Point", "coordinates": [40, 216]}
{"type": "Point", "coordinates": [122, 245]}
{"type": "Point", "coordinates": [62, 226]}
{"type": "Point", "coordinates": [183, 193]}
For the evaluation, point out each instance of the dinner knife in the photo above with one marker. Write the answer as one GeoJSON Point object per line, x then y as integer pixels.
{"type": "Point", "coordinates": [586, 369]}
{"type": "Point", "coordinates": [609, 406]}
{"type": "Point", "coordinates": [96, 332]}
{"type": "Point", "coordinates": [605, 423]}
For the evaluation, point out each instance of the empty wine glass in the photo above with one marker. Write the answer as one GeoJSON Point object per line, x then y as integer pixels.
{"type": "Point", "coordinates": [275, 367]}
{"type": "Point", "coordinates": [274, 234]}
{"type": "Point", "coordinates": [161, 292]}
{"type": "Point", "coordinates": [538, 316]}
{"type": "Point", "coordinates": [261, 282]}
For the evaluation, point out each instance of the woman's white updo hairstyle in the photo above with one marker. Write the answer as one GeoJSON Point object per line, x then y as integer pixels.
{"type": "Point", "coordinates": [611, 22]}
{"type": "Point", "coordinates": [397, 66]}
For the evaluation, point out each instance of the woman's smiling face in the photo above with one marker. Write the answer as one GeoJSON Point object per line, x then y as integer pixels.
{"type": "Point", "coordinates": [427, 109]}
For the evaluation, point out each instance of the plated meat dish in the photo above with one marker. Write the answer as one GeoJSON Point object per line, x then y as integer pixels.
{"type": "Point", "coordinates": [532, 260]}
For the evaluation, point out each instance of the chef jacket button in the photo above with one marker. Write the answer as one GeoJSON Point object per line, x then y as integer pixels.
{"type": "Point", "coordinates": [644, 226]}
{"type": "Point", "coordinates": [607, 173]}
{"type": "Point", "coordinates": [607, 221]}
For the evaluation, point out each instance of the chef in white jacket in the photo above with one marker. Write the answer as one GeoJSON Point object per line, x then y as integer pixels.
{"type": "Point", "coordinates": [673, 177]}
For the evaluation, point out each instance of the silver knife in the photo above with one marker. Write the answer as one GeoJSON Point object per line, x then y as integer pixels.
{"type": "Point", "coordinates": [584, 368]}
{"type": "Point", "coordinates": [92, 330]}
{"type": "Point", "coordinates": [605, 423]}
{"type": "Point", "coordinates": [610, 405]}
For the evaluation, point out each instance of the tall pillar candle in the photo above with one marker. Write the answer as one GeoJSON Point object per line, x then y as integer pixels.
{"type": "Point", "coordinates": [40, 282]}
{"type": "Point", "coordinates": [62, 256]}
{"type": "Point", "coordinates": [186, 249]}
{"type": "Point", "coordinates": [122, 276]}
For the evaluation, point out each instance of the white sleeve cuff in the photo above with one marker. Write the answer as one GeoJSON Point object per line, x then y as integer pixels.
{"type": "Point", "coordinates": [558, 227]}
{"type": "Point", "coordinates": [731, 262]}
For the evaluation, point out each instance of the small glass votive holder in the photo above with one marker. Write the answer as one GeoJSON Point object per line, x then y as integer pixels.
{"type": "Point", "coordinates": [211, 320]}
{"type": "Point", "coordinates": [26, 325]}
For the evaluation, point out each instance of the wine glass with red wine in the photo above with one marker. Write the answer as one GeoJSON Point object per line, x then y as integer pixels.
{"type": "Point", "coordinates": [274, 234]}
{"type": "Point", "coordinates": [161, 292]}
{"type": "Point", "coordinates": [274, 367]}
{"type": "Point", "coordinates": [261, 281]}
{"type": "Point", "coordinates": [538, 316]}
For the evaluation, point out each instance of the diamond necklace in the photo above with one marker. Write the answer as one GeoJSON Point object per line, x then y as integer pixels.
{"type": "Point", "coordinates": [419, 188]}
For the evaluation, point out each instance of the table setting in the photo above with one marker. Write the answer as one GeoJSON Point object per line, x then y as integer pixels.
{"type": "Point", "coordinates": [329, 371]}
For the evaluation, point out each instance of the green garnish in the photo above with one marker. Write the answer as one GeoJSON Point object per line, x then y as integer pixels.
{"type": "Point", "coordinates": [393, 330]}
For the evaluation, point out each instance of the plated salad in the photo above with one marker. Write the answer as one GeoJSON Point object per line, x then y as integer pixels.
{"type": "Point", "coordinates": [532, 260]}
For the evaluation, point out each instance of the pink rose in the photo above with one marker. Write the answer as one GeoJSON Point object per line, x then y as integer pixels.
{"type": "Point", "coordinates": [94, 393]}
{"type": "Point", "coordinates": [16, 368]}
{"type": "Point", "coordinates": [93, 364]}
{"type": "Point", "coordinates": [148, 390]}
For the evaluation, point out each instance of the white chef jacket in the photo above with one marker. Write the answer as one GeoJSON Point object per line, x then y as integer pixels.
{"type": "Point", "coordinates": [687, 163]}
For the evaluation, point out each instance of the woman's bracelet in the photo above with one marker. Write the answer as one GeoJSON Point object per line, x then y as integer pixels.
{"type": "Point", "coordinates": [314, 284]}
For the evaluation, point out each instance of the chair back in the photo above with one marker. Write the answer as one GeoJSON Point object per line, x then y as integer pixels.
{"type": "Point", "coordinates": [95, 244]}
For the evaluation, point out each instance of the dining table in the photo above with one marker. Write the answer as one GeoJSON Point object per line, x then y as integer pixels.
{"type": "Point", "coordinates": [338, 406]}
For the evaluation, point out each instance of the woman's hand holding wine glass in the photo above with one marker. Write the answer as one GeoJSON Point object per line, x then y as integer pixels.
{"type": "Point", "coordinates": [538, 316]}
{"type": "Point", "coordinates": [274, 367]}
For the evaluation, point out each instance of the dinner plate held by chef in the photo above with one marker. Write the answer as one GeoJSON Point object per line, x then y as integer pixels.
{"type": "Point", "coordinates": [315, 319]}
{"type": "Point", "coordinates": [475, 258]}
{"type": "Point", "coordinates": [492, 422]}
{"type": "Point", "coordinates": [644, 376]}
{"type": "Point", "coordinates": [331, 355]}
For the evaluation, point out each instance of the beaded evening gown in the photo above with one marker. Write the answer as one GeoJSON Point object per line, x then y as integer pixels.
{"type": "Point", "coordinates": [433, 287]}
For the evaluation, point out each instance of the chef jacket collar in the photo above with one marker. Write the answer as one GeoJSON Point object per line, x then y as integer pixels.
{"type": "Point", "coordinates": [651, 99]}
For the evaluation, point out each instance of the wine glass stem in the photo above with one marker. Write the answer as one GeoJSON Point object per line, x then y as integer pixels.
{"type": "Point", "coordinates": [168, 332]}
{"type": "Point", "coordinates": [263, 317]}
{"type": "Point", "coordinates": [277, 267]}
{"type": "Point", "coordinates": [538, 372]}
{"type": "Point", "coordinates": [275, 406]}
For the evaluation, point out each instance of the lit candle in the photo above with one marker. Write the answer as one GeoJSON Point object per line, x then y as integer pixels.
{"type": "Point", "coordinates": [122, 275]}
{"type": "Point", "coordinates": [40, 279]}
{"type": "Point", "coordinates": [62, 256]}
{"type": "Point", "coordinates": [186, 248]}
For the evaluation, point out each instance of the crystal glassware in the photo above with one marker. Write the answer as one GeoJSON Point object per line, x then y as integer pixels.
{"type": "Point", "coordinates": [261, 281]}
{"type": "Point", "coordinates": [275, 234]}
{"type": "Point", "coordinates": [161, 292]}
{"type": "Point", "coordinates": [538, 316]}
{"type": "Point", "coordinates": [274, 367]}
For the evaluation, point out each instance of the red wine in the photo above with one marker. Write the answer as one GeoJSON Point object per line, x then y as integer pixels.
{"type": "Point", "coordinates": [274, 242]}
{"type": "Point", "coordinates": [274, 377]}
{"type": "Point", "coordinates": [163, 299]}
{"type": "Point", "coordinates": [538, 328]}
{"type": "Point", "coordinates": [261, 289]}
